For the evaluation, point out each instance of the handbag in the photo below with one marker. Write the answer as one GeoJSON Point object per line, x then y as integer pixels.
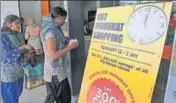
{"type": "Point", "coordinates": [33, 76]}
{"type": "Point", "coordinates": [33, 70]}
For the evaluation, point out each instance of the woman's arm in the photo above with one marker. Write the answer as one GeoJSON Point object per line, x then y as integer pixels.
{"type": "Point", "coordinates": [51, 47]}
{"type": "Point", "coordinates": [9, 52]}
{"type": "Point", "coordinates": [38, 31]}
{"type": "Point", "coordinates": [27, 33]}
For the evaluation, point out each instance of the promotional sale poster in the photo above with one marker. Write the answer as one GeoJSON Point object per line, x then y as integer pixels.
{"type": "Point", "coordinates": [125, 53]}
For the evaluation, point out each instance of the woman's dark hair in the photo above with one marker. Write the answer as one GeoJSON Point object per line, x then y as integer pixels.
{"type": "Point", "coordinates": [8, 20]}
{"type": "Point", "coordinates": [58, 11]}
{"type": "Point", "coordinates": [21, 18]}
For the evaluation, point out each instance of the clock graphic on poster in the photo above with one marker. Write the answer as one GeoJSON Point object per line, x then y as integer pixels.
{"type": "Point", "coordinates": [147, 24]}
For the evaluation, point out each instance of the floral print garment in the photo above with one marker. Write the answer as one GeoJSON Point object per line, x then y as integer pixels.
{"type": "Point", "coordinates": [11, 59]}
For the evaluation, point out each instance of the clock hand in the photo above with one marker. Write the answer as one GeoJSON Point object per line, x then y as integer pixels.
{"type": "Point", "coordinates": [146, 17]}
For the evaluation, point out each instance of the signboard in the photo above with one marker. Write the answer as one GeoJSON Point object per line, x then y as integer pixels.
{"type": "Point", "coordinates": [8, 8]}
{"type": "Point", "coordinates": [170, 96]}
{"type": "Point", "coordinates": [125, 53]}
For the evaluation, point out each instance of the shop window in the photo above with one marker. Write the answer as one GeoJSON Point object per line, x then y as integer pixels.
{"type": "Point", "coordinates": [121, 2]}
{"type": "Point", "coordinates": [148, 1]}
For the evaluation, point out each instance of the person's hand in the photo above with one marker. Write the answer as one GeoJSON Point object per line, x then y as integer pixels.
{"type": "Point", "coordinates": [73, 44]}
{"type": "Point", "coordinates": [27, 46]}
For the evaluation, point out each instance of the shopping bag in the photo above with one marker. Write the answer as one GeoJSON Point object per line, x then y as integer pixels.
{"type": "Point", "coordinates": [33, 76]}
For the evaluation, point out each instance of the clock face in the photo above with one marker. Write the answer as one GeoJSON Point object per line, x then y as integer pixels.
{"type": "Point", "coordinates": [147, 24]}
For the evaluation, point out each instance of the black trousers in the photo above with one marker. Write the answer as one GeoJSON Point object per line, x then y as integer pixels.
{"type": "Point", "coordinates": [58, 91]}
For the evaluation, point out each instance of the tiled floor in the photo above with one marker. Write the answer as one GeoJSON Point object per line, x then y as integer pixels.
{"type": "Point", "coordinates": [37, 96]}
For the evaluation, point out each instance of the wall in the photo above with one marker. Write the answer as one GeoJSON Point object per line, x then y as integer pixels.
{"type": "Point", "coordinates": [89, 5]}
{"type": "Point", "coordinates": [128, 2]}
{"type": "Point", "coordinates": [31, 9]}
{"type": "Point", "coordinates": [9, 7]}
{"type": "Point", "coordinates": [104, 3]}
{"type": "Point", "coordinates": [56, 3]}
{"type": "Point", "coordinates": [75, 20]}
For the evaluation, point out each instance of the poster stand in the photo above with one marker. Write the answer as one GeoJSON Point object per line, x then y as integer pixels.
{"type": "Point", "coordinates": [126, 60]}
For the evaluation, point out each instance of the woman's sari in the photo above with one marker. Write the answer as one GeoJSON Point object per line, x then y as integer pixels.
{"type": "Point", "coordinates": [11, 68]}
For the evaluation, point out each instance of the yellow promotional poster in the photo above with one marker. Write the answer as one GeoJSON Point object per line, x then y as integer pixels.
{"type": "Point", "coordinates": [125, 53]}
